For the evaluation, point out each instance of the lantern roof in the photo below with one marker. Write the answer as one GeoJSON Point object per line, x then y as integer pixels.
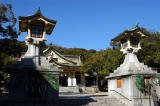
{"type": "Point", "coordinates": [133, 32]}
{"type": "Point", "coordinates": [38, 19]}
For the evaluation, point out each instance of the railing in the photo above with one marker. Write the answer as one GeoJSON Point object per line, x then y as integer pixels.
{"type": "Point", "coordinates": [122, 95]}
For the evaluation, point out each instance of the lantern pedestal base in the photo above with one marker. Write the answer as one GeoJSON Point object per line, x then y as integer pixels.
{"type": "Point", "coordinates": [127, 92]}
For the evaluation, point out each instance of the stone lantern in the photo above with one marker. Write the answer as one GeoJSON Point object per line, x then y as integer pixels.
{"type": "Point", "coordinates": [130, 44]}
{"type": "Point", "coordinates": [130, 39]}
{"type": "Point", "coordinates": [32, 75]}
{"type": "Point", "coordinates": [36, 26]}
{"type": "Point", "coordinates": [122, 82]}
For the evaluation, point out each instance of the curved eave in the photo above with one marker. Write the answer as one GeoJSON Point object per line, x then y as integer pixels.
{"type": "Point", "coordinates": [35, 16]}
{"type": "Point", "coordinates": [24, 22]}
{"type": "Point", "coordinates": [64, 57]}
{"type": "Point", "coordinates": [125, 34]}
{"type": "Point", "coordinates": [63, 65]}
{"type": "Point", "coordinates": [49, 31]}
{"type": "Point", "coordinates": [61, 56]}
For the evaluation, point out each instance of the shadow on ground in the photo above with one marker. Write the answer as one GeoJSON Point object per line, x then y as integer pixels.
{"type": "Point", "coordinates": [65, 99]}
{"type": "Point", "coordinates": [74, 99]}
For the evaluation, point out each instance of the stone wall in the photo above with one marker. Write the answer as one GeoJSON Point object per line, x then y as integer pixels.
{"type": "Point", "coordinates": [128, 93]}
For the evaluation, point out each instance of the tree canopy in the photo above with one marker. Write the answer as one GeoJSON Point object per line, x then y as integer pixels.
{"type": "Point", "coordinates": [7, 21]}
{"type": "Point", "coordinates": [150, 52]}
{"type": "Point", "coordinates": [9, 46]}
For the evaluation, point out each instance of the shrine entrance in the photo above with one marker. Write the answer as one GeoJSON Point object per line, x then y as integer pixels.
{"type": "Point", "coordinates": [71, 79]}
{"type": "Point", "coordinates": [63, 80]}
{"type": "Point", "coordinates": [67, 79]}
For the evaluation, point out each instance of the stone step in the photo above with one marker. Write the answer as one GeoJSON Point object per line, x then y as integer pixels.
{"type": "Point", "coordinates": [69, 89]}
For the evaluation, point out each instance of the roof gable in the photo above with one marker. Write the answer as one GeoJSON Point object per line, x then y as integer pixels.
{"type": "Point", "coordinates": [68, 60]}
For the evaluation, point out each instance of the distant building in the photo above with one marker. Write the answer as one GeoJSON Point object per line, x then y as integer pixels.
{"type": "Point", "coordinates": [71, 76]}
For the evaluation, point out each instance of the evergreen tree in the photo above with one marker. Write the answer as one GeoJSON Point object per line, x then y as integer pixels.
{"type": "Point", "coordinates": [7, 21]}
{"type": "Point", "coordinates": [150, 52]}
{"type": "Point", "coordinates": [8, 35]}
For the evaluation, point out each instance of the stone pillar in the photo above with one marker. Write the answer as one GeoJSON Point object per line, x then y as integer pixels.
{"type": "Point", "coordinates": [69, 81]}
{"type": "Point", "coordinates": [82, 80]}
{"type": "Point", "coordinates": [74, 82]}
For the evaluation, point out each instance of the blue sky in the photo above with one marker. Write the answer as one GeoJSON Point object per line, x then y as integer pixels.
{"type": "Point", "coordinates": [90, 24]}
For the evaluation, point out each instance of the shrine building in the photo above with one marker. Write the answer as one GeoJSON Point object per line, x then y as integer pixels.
{"type": "Point", "coordinates": [70, 66]}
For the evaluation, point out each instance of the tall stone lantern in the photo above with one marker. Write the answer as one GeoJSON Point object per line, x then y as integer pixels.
{"type": "Point", "coordinates": [33, 76]}
{"type": "Point", "coordinates": [122, 82]}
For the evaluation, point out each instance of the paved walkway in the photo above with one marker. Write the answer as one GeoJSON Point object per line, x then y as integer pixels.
{"type": "Point", "coordinates": [77, 99]}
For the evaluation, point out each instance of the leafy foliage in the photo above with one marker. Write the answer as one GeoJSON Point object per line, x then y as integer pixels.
{"type": "Point", "coordinates": [9, 47]}
{"type": "Point", "coordinates": [150, 54]}
{"type": "Point", "coordinates": [7, 21]}
{"type": "Point", "coordinates": [103, 62]}
{"type": "Point", "coordinates": [12, 47]}
{"type": "Point", "coordinates": [94, 64]}
{"type": "Point", "coordinates": [139, 81]}
{"type": "Point", "coordinates": [51, 80]}
{"type": "Point", "coordinates": [10, 51]}
{"type": "Point", "coordinates": [112, 59]}
{"type": "Point", "coordinates": [5, 62]}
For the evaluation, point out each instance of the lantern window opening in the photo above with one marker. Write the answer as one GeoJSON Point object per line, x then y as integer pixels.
{"type": "Point", "coordinates": [134, 41]}
{"type": "Point", "coordinates": [124, 43]}
{"type": "Point", "coordinates": [36, 31]}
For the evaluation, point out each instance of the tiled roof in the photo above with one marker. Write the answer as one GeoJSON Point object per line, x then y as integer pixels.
{"type": "Point", "coordinates": [128, 32]}
{"type": "Point", "coordinates": [37, 14]}
{"type": "Point", "coordinates": [73, 60]}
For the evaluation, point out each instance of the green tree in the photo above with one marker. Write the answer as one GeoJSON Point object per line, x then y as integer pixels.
{"type": "Point", "coordinates": [12, 47]}
{"type": "Point", "coordinates": [94, 64]}
{"type": "Point", "coordinates": [5, 62]}
{"type": "Point", "coordinates": [150, 52]}
{"type": "Point", "coordinates": [7, 21]}
{"type": "Point", "coordinates": [112, 59]}
{"type": "Point", "coordinates": [139, 81]}
{"type": "Point", "coordinates": [7, 30]}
